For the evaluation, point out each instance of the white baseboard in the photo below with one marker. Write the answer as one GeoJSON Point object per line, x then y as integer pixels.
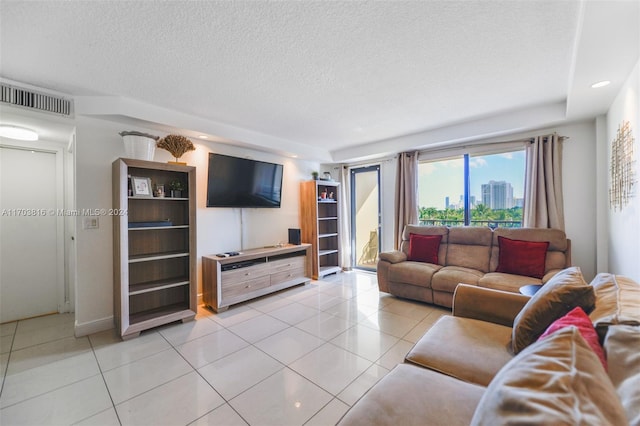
{"type": "Point", "coordinates": [86, 328]}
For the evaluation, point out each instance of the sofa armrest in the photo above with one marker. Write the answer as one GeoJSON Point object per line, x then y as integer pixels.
{"type": "Point", "coordinates": [485, 304]}
{"type": "Point", "coordinates": [395, 256]}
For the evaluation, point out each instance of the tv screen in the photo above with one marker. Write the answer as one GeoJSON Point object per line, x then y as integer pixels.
{"type": "Point", "coordinates": [240, 182]}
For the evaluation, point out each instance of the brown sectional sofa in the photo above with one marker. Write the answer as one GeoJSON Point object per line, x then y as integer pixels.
{"type": "Point", "coordinates": [466, 255]}
{"type": "Point", "coordinates": [461, 371]}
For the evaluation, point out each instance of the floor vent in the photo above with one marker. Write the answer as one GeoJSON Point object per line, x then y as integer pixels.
{"type": "Point", "coordinates": [36, 101]}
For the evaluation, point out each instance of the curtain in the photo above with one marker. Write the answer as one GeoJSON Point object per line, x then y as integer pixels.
{"type": "Point", "coordinates": [406, 211]}
{"type": "Point", "coordinates": [543, 201]}
{"type": "Point", "coordinates": [344, 201]}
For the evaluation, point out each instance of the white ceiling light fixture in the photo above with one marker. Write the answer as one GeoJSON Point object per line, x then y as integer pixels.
{"type": "Point", "coordinates": [203, 137]}
{"type": "Point", "coordinates": [600, 84]}
{"type": "Point", "coordinates": [19, 133]}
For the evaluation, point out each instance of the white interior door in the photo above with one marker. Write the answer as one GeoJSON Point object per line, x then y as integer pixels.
{"type": "Point", "coordinates": [30, 262]}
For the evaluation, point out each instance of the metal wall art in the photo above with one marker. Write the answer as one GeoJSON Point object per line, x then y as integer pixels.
{"type": "Point", "coordinates": [622, 168]}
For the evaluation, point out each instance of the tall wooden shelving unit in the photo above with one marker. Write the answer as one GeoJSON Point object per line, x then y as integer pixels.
{"type": "Point", "coordinates": [320, 225]}
{"type": "Point", "coordinates": [154, 248]}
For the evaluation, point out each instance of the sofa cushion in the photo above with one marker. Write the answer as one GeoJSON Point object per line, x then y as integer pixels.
{"type": "Point", "coordinates": [520, 257]}
{"type": "Point", "coordinates": [556, 298]}
{"type": "Point", "coordinates": [448, 278]}
{"type": "Point", "coordinates": [411, 395]}
{"type": "Point", "coordinates": [617, 302]}
{"type": "Point", "coordinates": [415, 273]}
{"type": "Point", "coordinates": [469, 247]}
{"type": "Point", "coordinates": [577, 318]}
{"type": "Point", "coordinates": [555, 381]}
{"type": "Point", "coordinates": [621, 346]}
{"type": "Point", "coordinates": [468, 349]}
{"type": "Point", "coordinates": [424, 248]}
{"type": "Point", "coordinates": [506, 282]}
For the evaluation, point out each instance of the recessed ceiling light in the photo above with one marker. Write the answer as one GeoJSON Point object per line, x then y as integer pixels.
{"type": "Point", "coordinates": [203, 137]}
{"type": "Point", "coordinates": [600, 84]}
{"type": "Point", "coordinates": [19, 133]}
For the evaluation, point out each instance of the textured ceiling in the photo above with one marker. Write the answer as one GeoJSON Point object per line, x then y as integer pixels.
{"type": "Point", "coordinates": [328, 75]}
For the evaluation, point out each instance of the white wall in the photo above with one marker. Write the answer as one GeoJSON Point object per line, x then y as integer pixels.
{"type": "Point", "coordinates": [218, 229]}
{"type": "Point", "coordinates": [579, 181]}
{"type": "Point", "coordinates": [624, 225]}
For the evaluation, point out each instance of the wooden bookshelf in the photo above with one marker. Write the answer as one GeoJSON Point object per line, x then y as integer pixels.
{"type": "Point", "coordinates": [155, 276]}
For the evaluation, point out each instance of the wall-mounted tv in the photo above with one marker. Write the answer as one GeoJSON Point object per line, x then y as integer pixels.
{"type": "Point", "coordinates": [241, 182]}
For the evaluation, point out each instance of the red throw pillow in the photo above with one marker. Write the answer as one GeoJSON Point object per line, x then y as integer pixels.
{"type": "Point", "coordinates": [522, 257]}
{"type": "Point", "coordinates": [424, 248]}
{"type": "Point", "coordinates": [579, 319]}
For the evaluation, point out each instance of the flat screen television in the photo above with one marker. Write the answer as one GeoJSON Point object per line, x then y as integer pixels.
{"type": "Point", "coordinates": [241, 182]}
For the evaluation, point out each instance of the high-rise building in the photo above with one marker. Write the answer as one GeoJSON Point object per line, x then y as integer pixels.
{"type": "Point", "coordinates": [446, 202]}
{"type": "Point", "coordinates": [497, 195]}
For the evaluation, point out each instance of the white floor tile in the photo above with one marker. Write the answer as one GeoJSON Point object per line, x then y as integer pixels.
{"type": "Point", "coordinates": [221, 416]}
{"type": "Point", "coordinates": [235, 315]}
{"type": "Point", "coordinates": [294, 313]}
{"type": "Point", "coordinates": [29, 334]}
{"type": "Point", "coordinates": [330, 414]}
{"type": "Point", "coordinates": [45, 378]}
{"type": "Point", "coordinates": [35, 356]}
{"type": "Point", "coordinates": [63, 406]}
{"type": "Point", "coordinates": [105, 418]}
{"type": "Point", "coordinates": [366, 342]}
{"type": "Point", "coordinates": [180, 333]}
{"type": "Point", "coordinates": [269, 303]}
{"type": "Point", "coordinates": [239, 371]}
{"type": "Point", "coordinates": [289, 344]}
{"type": "Point", "coordinates": [210, 348]}
{"type": "Point", "coordinates": [113, 352]}
{"type": "Point", "coordinates": [296, 399]}
{"type": "Point", "coordinates": [374, 298]}
{"type": "Point", "coordinates": [352, 310]}
{"type": "Point", "coordinates": [331, 367]}
{"type": "Point", "coordinates": [5, 343]}
{"type": "Point", "coordinates": [132, 379]}
{"type": "Point", "coordinates": [321, 301]}
{"type": "Point", "coordinates": [45, 321]}
{"type": "Point", "coordinates": [414, 310]}
{"type": "Point", "coordinates": [178, 402]}
{"type": "Point", "coordinates": [338, 290]}
{"type": "Point", "coordinates": [258, 328]}
{"type": "Point", "coordinates": [389, 323]}
{"type": "Point", "coordinates": [8, 329]}
{"type": "Point", "coordinates": [395, 355]}
{"type": "Point", "coordinates": [325, 326]}
{"type": "Point", "coordinates": [422, 327]}
{"type": "Point", "coordinates": [362, 384]}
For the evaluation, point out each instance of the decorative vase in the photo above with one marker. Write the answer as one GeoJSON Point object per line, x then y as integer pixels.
{"type": "Point", "coordinates": [176, 193]}
{"type": "Point", "coordinates": [139, 146]}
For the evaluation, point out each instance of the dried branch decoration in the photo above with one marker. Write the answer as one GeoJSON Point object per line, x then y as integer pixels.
{"type": "Point", "coordinates": [177, 145]}
{"type": "Point", "coordinates": [623, 176]}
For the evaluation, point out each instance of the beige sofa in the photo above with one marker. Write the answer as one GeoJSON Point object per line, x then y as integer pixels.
{"type": "Point", "coordinates": [462, 371]}
{"type": "Point", "coordinates": [466, 255]}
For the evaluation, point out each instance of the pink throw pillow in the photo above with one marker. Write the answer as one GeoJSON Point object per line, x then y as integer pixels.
{"type": "Point", "coordinates": [579, 319]}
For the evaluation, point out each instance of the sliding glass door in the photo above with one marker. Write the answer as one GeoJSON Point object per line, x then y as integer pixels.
{"type": "Point", "coordinates": [365, 217]}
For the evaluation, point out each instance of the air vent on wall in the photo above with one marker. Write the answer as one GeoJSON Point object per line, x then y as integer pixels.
{"type": "Point", "coordinates": [31, 99]}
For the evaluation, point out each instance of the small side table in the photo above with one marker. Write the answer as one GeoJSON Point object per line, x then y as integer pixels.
{"type": "Point", "coordinates": [530, 290]}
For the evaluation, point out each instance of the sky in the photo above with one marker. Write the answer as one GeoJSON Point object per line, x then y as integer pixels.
{"type": "Point", "coordinates": [437, 180]}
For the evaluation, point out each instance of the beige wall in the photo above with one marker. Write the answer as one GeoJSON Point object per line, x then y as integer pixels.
{"type": "Point", "coordinates": [624, 225]}
{"type": "Point", "coordinates": [219, 229]}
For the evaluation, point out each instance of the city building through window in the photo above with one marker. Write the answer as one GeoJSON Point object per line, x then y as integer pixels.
{"type": "Point", "coordinates": [472, 190]}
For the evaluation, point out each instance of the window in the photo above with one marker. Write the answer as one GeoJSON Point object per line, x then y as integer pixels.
{"type": "Point", "coordinates": [472, 190]}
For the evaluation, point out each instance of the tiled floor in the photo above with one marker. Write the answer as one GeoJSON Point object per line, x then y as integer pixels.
{"type": "Point", "coordinates": [302, 356]}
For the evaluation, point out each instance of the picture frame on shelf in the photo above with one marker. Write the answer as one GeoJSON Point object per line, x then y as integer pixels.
{"type": "Point", "coordinates": [141, 186]}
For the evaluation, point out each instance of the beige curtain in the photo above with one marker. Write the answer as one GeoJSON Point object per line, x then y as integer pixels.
{"type": "Point", "coordinates": [344, 202]}
{"type": "Point", "coordinates": [543, 201]}
{"type": "Point", "coordinates": [406, 193]}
